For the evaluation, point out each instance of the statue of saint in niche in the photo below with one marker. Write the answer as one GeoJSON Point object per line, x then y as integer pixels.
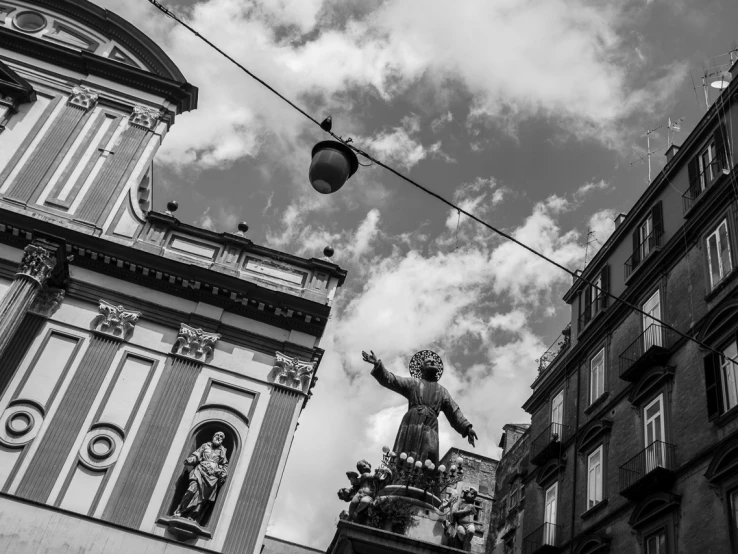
{"type": "Point", "coordinates": [209, 469]}
{"type": "Point", "coordinates": [418, 433]}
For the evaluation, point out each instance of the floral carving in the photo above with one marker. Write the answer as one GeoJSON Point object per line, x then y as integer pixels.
{"type": "Point", "coordinates": [293, 373]}
{"type": "Point", "coordinates": [195, 343]}
{"type": "Point", "coordinates": [115, 320]}
{"type": "Point", "coordinates": [83, 98]}
{"type": "Point", "coordinates": [37, 263]}
{"type": "Point", "coordinates": [143, 116]}
{"type": "Point", "coordinates": [47, 301]}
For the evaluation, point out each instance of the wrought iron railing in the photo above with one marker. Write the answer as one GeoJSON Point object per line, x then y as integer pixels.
{"type": "Point", "coordinates": [559, 346]}
{"type": "Point", "coordinates": [658, 454]}
{"type": "Point", "coordinates": [554, 434]}
{"type": "Point", "coordinates": [652, 241]}
{"type": "Point", "coordinates": [655, 336]}
{"type": "Point", "coordinates": [702, 182]}
{"type": "Point", "coordinates": [548, 534]}
{"type": "Point", "coordinates": [591, 310]}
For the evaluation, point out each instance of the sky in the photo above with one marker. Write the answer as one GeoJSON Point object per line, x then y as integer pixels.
{"type": "Point", "coordinates": [528, 113]}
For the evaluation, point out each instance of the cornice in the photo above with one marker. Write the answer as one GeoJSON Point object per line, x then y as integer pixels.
{"type": "Point", "coordinates": [182, 94]}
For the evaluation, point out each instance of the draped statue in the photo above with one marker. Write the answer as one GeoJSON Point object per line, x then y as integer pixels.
{"type": "Point", "coordinates": [418, 433]}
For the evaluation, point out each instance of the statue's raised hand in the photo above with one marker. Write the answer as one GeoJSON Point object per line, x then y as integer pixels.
{"type": "Point", "coordinates": [472, 436]}
{"type": "Point", "coordinates": [370, 358]}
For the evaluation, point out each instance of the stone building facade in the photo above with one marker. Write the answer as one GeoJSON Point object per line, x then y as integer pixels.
{"type": "Point", "coordinates": [505, 528]}
{"type": "Point", "coordinates": [634, 434]}
{"type": "Point", "coordinates": [479, 472]}
{"type": "Point", "coordinates": [130, 341]}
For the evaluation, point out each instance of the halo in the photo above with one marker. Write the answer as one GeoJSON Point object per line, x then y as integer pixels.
{"type": "Point", "coordinates": [419, 357]}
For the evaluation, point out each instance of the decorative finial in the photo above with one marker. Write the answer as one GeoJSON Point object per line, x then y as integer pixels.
{"type": "Point", "coordinates": [172, 206]}
{"type": "Point", "coordinates": [328, 251]}
{"type": "Point", "coordinates": [243, 228]}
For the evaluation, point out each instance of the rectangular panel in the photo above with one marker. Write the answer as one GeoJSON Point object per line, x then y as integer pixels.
{"type": "Point", "coordinates": [193, 248]}
{"type": "Point", "coordinates": [8, 458]}
{"type": "Point", "coordinates": [239, 400]}
{"type": "Point", "coordinates": [48, 368]}
{"type": "Point", "coordinates": [82, 490]}
{"type": "Point", "coordinates": [126, 391]}
{"type": "Point", "coordinates": [275, 272]}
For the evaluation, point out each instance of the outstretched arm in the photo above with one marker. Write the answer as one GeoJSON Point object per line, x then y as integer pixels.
{"type": "Point", "coordinates": [400, 385]}
{"type": "Point", "coordinates": [457, 420]}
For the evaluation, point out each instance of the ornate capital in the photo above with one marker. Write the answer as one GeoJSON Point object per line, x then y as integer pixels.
{"type": "Point", "coordinates": [116, 321]}
{"type": "Point", "coordinates": [293, 373]}
{"type": "Point", "coordinates": [195, 343]}
{"type": "Point", "coordinates": [37, 263]}
{"type": "Point", "coordinates": [83, 98]}
{"type": "Point", "coordinates": [146, 117]}
{"type": "Point", "coordinates": [47, 301]}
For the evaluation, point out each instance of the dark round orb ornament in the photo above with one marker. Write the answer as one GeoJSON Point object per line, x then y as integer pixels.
{"type": "Point", "coordinates": [172, 206]}
{"type": "Point", "coordinates": [243, 227]}
{"type": "Point", "coordinates": [328, 251]}
{"type": "Point", "coordinates": [333, 164]}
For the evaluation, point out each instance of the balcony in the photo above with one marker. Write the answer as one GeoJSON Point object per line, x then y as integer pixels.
{"type": "Point", "coordinates": [650, 348]}
{"type": "Point", "coordinates": [651, 244]}
{"type": "Point", "coordinates": [547, 445]}
{"type": "Point", "coordinates": [649, 471]}
{"type": "Point", "coordinates": [702, 182]}
{"type": "Point", "coordinates": [545, 539]}
{"type": "Point", "coordinates": [591, 310]}
{"type": "Point", "coordinates": [559, 346]}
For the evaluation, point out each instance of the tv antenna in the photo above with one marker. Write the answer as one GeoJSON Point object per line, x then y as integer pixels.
{"type": "Point", "coordinates": [649, 152]}
{"type": "Point", "coordinates": [717, 72]}
{"type": "Point", "coordinates": [590, 239]}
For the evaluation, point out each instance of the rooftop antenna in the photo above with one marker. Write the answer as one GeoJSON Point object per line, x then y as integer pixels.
{"type": "Point", "coordinates": [649, 152]}
{"type": "Point", "coordinates": [717, 72]}
{"type": "Point", "coordinates": [590, 239]}
{"type": "Point", "coordinates": [672, 128]}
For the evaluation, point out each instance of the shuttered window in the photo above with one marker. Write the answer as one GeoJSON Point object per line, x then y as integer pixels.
{"type": "Point", "coordinates": [719, 258]}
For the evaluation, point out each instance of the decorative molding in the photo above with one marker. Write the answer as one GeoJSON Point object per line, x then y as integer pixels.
{"type": "Point", "coordinates": [37, 263]}
{"type": "Point", "coordinates": [195, 343]}
{"type": "Point", "coordinates": [115, 321]}
{"type": "Point", "coordinates": [293, 373]}
{"type": "Point", "coordinates": [47, 301]}
{"type": "Point", "coordinates": [83, 98]}
{"type": "Point", "coordinates": [145, 117]}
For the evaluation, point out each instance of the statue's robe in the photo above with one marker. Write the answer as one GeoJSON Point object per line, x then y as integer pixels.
{"type": "Point", "coordinates": [210, 469]}
{"type": "Point", "coordinates": [418, 433]}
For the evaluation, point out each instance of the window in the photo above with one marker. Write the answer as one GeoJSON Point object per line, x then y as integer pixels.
{"type": "Point", "coordinates": [593, 299]}
{"type": "Point", "coordinates": [707, 165]}
{"type": "Point", "coordinates": [644, 234]}
{"type": "Point", "coordinates": [652, 331]}
{"type": "Point", "coordinates": [721, 381]}
{"type": "Point", "coordinates": [549, 530]}
{"type": "Point", "coordinates": [479, 515]}
{"type": "Point", "coordinates": [653, 419]}
{"type": "Point", "coordinates": [719, 259]}
{"type": "Point", "coordinates": [597, 376]}
{"type": "Point", "coordinates": [557, 413]}
{"type": "Point", "coordinates": [594, 478]}
{"type": "Point", "coordinates": [656, 543]}
{"type": "Point", "coordinates": [646, 238]}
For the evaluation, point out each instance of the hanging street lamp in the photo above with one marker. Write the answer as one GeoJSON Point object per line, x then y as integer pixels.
{"type": "Point", "coordinates": [333, 164]}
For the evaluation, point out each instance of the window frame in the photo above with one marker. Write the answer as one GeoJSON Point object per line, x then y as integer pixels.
{"type": "Point", "coordinates": [600, 450]}
{"type": "Point", "coordinates": [716, 233]}
{"type": "Point", "coordinates": [601, 371]}
{"type": "Point", "coordinates": [711, 150]}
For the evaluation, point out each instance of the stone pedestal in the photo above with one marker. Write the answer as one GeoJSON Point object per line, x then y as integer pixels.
{"type": "Point", "coordinates": [351, 538]}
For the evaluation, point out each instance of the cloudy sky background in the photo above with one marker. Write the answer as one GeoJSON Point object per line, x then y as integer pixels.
{"type": "Point", "coordinates": [527, 113]}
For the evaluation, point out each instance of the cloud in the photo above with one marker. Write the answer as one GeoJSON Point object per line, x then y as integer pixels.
{"type": "Point", "coordinates": [219, 218]}
{"type": "Point", "coordinates": [601, 225]}
{"type": "Point", "coordinates": [589, 187]}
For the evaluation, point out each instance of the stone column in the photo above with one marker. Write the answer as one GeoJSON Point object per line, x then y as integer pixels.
{"type": "Point", "coordinates": [40, 259]}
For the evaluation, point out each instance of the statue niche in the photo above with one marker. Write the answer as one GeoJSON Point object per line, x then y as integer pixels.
{"type": "Point", "coordinates": [199, 486]}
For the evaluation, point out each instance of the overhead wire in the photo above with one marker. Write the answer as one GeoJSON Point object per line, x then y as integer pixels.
{"type": "Point", "coordinates": [577, 277]}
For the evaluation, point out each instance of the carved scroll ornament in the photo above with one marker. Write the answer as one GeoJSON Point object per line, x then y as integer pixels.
{"type": "Point", "coordinates": [116, 321]}
{"type": "Point", "coordinates": [83, 98]}
{"type": "Point", "coordinates": [195, 343]}
{"type": "Point", "coordinates": [293, 373]}
{"type": "Point", "coordinates": [37, 263]}
{"type": "Point", "coordinates": [143, 116]}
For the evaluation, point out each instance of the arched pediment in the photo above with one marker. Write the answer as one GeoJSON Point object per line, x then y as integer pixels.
{"type": "Point", "coordinates": [549, 472]}
{"type": "Point", "coordinates": [726, 317]}
{"type": "Point", "coordinates": [593, 544]}
{"type": "Point", "coordinates": [593, 433]}
{"type": "Point", "coordinates": [653, 506]}
{"type": "Point", "coordinates": [724, 463]}
{"type": "Point", "coordinates": [650, 382]}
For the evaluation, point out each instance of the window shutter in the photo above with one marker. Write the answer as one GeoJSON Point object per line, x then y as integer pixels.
{"type": "Point", "coordinates": [693, 170]}
{"type": "Point", "coordinates": [720, 147]}
{"type": "Point", "coordinates": [713, 387]}
{"type": "Point", "coordinates": [658, 216]}
{"type": "Point", "coordinates": [605, 280]}
{"type": "Point", "coordinates": [587, 301]}
{"type": "Point", "coordinates": [636, 248]}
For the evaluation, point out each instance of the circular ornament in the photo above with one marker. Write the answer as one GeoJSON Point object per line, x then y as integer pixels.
{"type": "Point", "coordinates": [30, 22]}
{"type": "Point", "coordinates": [416, 362]}
{"type": "Point", "coordinates": [19, 423]}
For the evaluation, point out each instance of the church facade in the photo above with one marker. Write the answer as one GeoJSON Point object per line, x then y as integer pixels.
{"type": "Point", "coordinates": [151, 372]}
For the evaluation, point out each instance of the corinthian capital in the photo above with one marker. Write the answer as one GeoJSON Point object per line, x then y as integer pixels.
{"type": "Point", "coordinates": [143, 116]}
{"type": "Point", "coordinates": [292, 372]}
{"type": "Point", "coordinates": [83, 98]}
{"type": "Point", "coordinates": [47, 301]}
{"type": "Point", "coordinates": [37, 263]}
{"type": "Point", "coordinates": [195, 343]}
{"type": "Point", "coordinates": [116, 321]}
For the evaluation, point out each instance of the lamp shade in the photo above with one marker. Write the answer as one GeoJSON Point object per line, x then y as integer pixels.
{"type": "Point", "coordinates": [333, 163]}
